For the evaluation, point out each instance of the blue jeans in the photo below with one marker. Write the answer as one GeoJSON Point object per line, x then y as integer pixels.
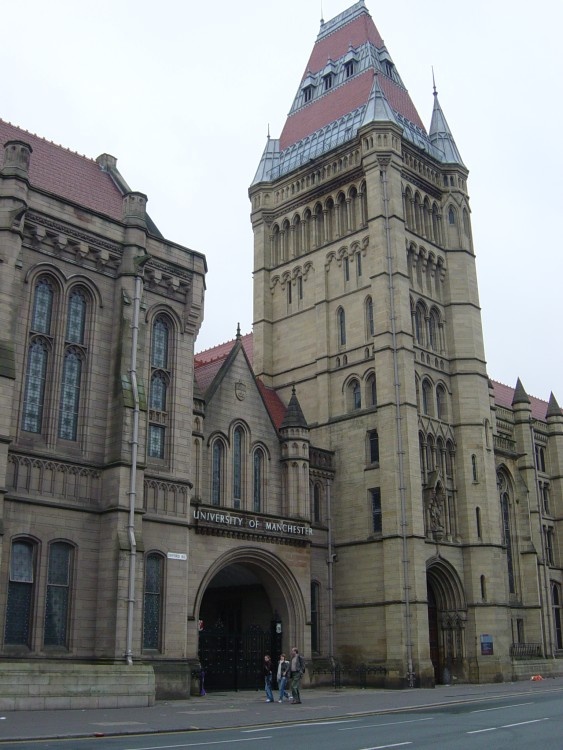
{"type": "Point", "coordinates": [283, 683]}
{"type": "Point", "coordinates": [268, 687]}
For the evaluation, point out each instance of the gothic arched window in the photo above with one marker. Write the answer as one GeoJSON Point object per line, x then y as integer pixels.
{"type": "Point", "coordinates": [153, 602]}
{"type": "Point", "coordinates": [258, 480]}
{"type": "Point", "coordinates": [341, 319]}
{"type": "Point", "coordinates": [58, 594]}
{"type": "Point", "coordinates": [159, 385]}
{"type": "Point", "coordinates": [21, 593]}
{"type": "Point", "coordinates": [507, 530]}
{"type": "Point", "coordinates": [238, 470]}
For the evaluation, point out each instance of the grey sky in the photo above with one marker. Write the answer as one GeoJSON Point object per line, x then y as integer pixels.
{"type": "Point", "coordinates": [182, 94]}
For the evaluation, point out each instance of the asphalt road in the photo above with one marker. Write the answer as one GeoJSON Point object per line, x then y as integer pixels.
{"type": "Point", "coordinates": [507, 722]}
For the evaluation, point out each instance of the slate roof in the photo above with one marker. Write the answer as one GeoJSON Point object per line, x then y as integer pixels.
{"type": "Point", "coordinates": [322, 117]}
{"type": "Point", "coordinates": [208, 363]}
{"type": "Point", "coordinates": [61, 172]}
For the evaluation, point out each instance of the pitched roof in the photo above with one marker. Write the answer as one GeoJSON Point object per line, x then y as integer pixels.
{"type": "Point", "coordinates": [504, 396]}
{"type": "Point", "coordinates": [64, 173]}
{"type": "Point", "coordinates": [334, 94]}
{"type": "Point", "coordinates": [208, 363]}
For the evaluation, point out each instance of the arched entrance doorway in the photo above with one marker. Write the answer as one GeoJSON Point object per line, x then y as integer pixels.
{"type": "Point", "coordinates": [447, 613]}
{"type": "Point", "coordinates": [249, 605]}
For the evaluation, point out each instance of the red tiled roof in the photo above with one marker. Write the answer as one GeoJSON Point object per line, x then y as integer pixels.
{"type": "Point", "coordinates": [335, 45]}
{"type": "Point", "coordinates": [69, 175]}
{"type": "Point", "coordinates": [275, 406]}
{"type": "Point", "coordinates": [504, 395]}
{"type": "Point", "coordinates": [208, 363]}
{"type": "Point", "coordinates": [222, 351]}
{"type": "Point", "coordinates": [353, 93]}
{"type": "Point", "coordinates": [342, 100]}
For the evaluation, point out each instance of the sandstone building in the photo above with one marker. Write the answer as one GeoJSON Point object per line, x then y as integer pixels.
{"type": "Point", "coordinates": [346, 478]}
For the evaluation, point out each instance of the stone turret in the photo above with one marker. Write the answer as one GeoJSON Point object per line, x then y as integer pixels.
{"type": "Point", "coordinates": [294, 433]}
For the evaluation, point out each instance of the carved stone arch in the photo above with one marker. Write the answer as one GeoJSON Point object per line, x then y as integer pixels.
{"type": "Point", "coordinates": [153, 311]}
{"type": "Point", "coordinates": [447, 585]}
{"type": "Point", "coordinates": [47, 269]}
{"type": "Point", "coordinates": [275, 576]}
{"type": "Point", "coordinates": [79, 280]}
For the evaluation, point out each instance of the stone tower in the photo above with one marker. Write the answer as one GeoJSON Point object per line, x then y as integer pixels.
{"type": "Point", "coordinates": [366, 299]}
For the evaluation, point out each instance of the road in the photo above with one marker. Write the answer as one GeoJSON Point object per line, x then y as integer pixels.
{"type": "Point", "coordinates": [511, 722]}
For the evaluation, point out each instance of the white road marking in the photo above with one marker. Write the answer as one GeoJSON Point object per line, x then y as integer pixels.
{"type": "Point", "coordinates": [200, 744]}
{"type": "Point", "coordinates": [500, 708]}
{"type": "Point", "coordinates": [382, 747]}
{"type": "Point", "coordinates": [300, 724]}
{"type": "Point", "coordinates": [508, 726]}
{"type": "Point", "coordinates": [386, 724]}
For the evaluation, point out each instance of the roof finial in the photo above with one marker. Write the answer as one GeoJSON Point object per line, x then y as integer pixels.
{"type": "Point", "coordinates": [322, 15]}
{"type": "Point", "coordinates": [268, 131]}
{"type": "Point", "coordinates": [434, 82]}
{"type": "Point", "coordinates": [238, 332]}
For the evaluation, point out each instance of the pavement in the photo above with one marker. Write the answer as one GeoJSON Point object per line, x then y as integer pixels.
{"type": "Point", "coordinates": [249, 708]}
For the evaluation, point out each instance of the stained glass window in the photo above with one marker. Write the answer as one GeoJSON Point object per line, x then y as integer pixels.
{"type": "Point", "coordinates": [159, 354]}
{"type": "Point", "coordinates": [35, 386]}
{"type": "Point", "coordinates": [20, 594]}
{"type": "Point", "coordinates": [158, 392]}
{"type": "Point", "coordinates": [70, 395]}
{"type": "Point", "coordinates": [42, 307]}
{"type": "Point", "coordinates": [237, 466]}
{"type": "Point", "coordinates": [76, 317]}
{"type": "Point", "coordinates": [258, 479]}
{"type": "Point", "coordinates": [152, 611]}
{"type": "Point", "coordinates": [217, 477]}
{"type": "Point", "coordinates": [156, 441]}
{"type": "Point", "coordinates": [58, 595]}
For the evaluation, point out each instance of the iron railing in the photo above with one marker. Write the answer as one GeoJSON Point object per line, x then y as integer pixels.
{"type": "Point", "coordinates": [526, 651]}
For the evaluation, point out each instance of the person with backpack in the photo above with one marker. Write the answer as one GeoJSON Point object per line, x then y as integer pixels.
{"type": "Point", "coordinates": [296, 672]}
{"type": "Point", "coordinates": [283, 675]}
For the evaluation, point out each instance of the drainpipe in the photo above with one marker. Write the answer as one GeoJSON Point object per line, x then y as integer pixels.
{"type": "Point", "coordinates": [133, 472]}
{"type": "Point", "coordinates": [547, 637]}
{"type": "Point", "coordinates": [400, 452]}
{"type": "Point", "coordinates": [330, 563]}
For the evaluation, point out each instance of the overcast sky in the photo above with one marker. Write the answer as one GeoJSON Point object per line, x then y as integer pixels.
{"type": "Point", "coordinates": [182, 93]}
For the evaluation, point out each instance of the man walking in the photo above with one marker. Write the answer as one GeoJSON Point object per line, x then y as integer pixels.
{"type": "Point", "coordinates": [296, 672]}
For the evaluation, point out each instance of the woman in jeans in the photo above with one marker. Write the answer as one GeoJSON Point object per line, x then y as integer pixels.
{"type": "Point", "coordinates": [283, 674]}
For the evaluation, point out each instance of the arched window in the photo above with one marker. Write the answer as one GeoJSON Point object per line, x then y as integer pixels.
{"type": "Point", "coordinates": [76, 317]}
{"type": "Point", "coordinates": [159, 385]}
{"type": "Point", "coordinates": [419, 325]}
{"type": "Point", "coordinates": [70, 394]}
{"type": "Point", "coordinates": [370, 327]}
{"type": "Point", "coordinates": [341, 319]}
{"type": "Point", "coordinates": [358, 258]}
{"type": "Point", "coordinates": [427, 398]}
{"type": "Point", "coordinates": [35, 379]}
{"type": "Point", "coordinates": [371, 390]}
{"type": "Point", "coordinates": [433, 331]}
{"type": "Point", "coordinates": [258, 480]}
{"type": "Point", "coordinates": [507, 529]}
{"type": "Point", "coordinates": [376, 512]}
{"type": "Point", "coordinates": [441, 403]}
{"type": "Point", "coordinates": [483, 589]}
{"type": "Point", "coordinates": [353, 395]}
{"type": "Point", "coordinates": [21, 593]}
{"type": "Point", "coordinates": [315, 618]}
{"type": "Point", "coordinates": [217, 452]}
{"type": "Point", "coordinates": [37, 356]}
{"type": "Point", "coordinates": [478, 522]}
{"type": "Point", "coordinates": [317, 513]}
{"type": "Point", "coordinates": [474, 472]}
{"type": "Point", "coordinates": [238, 443]}
{"type": "Point", "coordinates": [451, 215]}
{"type": "Point", "coordinates": [57, 600]}
{"type": "Point", "coordinates": [153, 601]}
{"type": "Point", "coordinates": [557, 620]}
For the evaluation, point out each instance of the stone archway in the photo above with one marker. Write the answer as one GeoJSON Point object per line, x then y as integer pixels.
{"type": "Point", "coordinates": [447, 615]}
{"type": "Point", "coordinates": [248, 604]}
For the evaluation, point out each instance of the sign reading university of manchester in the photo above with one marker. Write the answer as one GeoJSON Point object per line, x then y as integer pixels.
{"type": "Point", "coordinates": [243, 522]}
